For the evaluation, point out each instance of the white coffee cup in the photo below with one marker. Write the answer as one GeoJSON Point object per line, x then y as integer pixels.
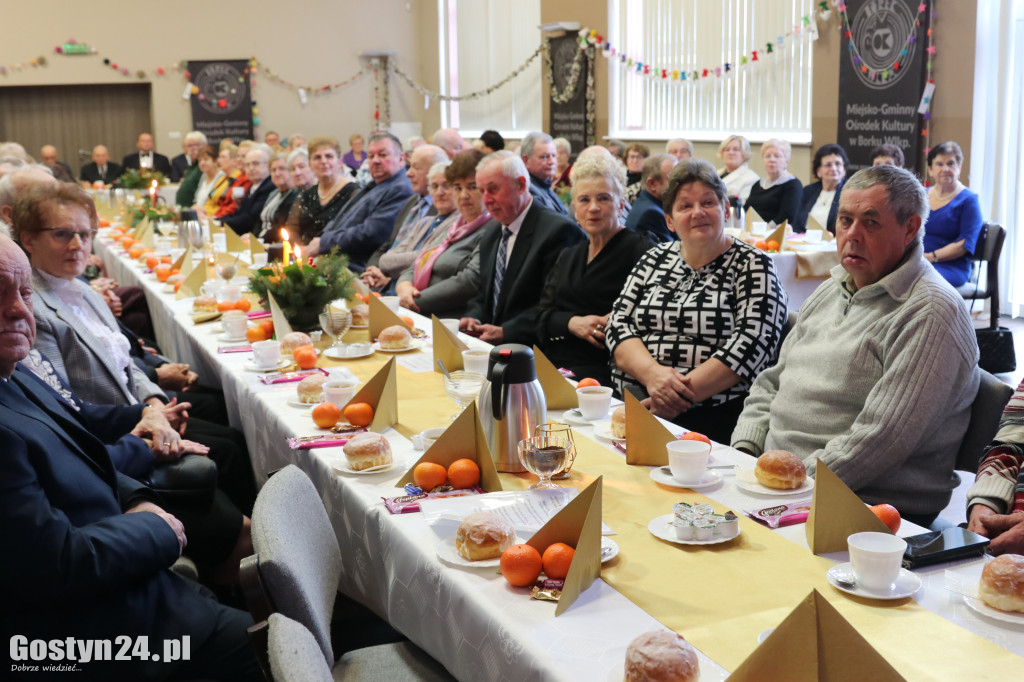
{"type": "Point", "coordinates": [476, 361]}
{"type": "Point", "coordinates": [430, 436]}
{"type": "Point", "coordinates": [758, 228]}
{"type": "Point", "coordinates": [259, 260]}
{"type": "Point", "coordinates": [220, 242]}
{"type": "Point", "coordinates": [230, 292]}
{"type": "Point", "coordinates": [391, 302]}
{"type": "Point", "coordinates": [813, 236]}
{"type": "Point", "coordinates": [340, 391]}
{"type": "Point", "coordinates": [211, 287]}
{"type": "Point", "coordinates": [688, 459]}
{"type": "Point", "coordinates": [452, 324]}
{"type": "Point", "coordinates": [266, 354]}
{"type": "Point", "coordinates": [594, 401]}
{"type": "Point", "coordinates": [876, 559]}
{"type": "Point", "coordinates": [235, 325]}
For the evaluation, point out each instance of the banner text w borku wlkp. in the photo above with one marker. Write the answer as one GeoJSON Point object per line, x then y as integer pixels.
{"type": "Point", "coordinates": [877, 102]}
{"type": "Point", "coordinates": [223, 105]}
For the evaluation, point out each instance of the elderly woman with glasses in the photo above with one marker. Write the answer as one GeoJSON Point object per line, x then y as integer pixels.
{"type": "Point", "coordinates": [776, 197]}
{"type": "Point", "coordinates": [821, 199]}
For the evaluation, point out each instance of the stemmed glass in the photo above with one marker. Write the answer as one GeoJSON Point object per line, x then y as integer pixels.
{"type": "Point", "coordinates": [544, 456]}
{"type": "Point", "coordinates": [462, 387]}
{"type": "Point", "coordinates": [335, 323]}
{"type": "Point", "coordinates": [560, 430]}
{"type": "Point", "coordinates": [227, 269]}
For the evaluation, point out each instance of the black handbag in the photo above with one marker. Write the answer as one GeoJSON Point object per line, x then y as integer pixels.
{"type": "Point", "coordinates": [996, 348]}
{"type": "Point", "coordinates": [189, 480]}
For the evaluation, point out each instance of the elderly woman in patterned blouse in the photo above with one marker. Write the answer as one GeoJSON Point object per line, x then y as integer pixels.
{"type": "Point", "coordinates": [697, 320]}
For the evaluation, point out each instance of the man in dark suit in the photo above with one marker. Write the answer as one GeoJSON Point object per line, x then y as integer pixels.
{"type": "Point", "coordinates": [48, 157]}
{"type": "Point", "coordinates": [87, 549]}
{"type": "Point", "coordinates": [541, 159]}
{"type": "Point", "coordinates": [100, 169]}
{"type": "Point", "coordinates": [193, 142]}
{"type": "Point", "coordinates": [257, 168]}
{"type": "Point", "coordinates": [517, 251]}
{"type": "Point", "coordinates": [146, 157]}
{"type": "Point", "coordinates": [647, 215]}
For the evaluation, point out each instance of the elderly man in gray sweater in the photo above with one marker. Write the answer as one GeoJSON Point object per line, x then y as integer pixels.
{"type": "Point", "coordinates": [877, 377]}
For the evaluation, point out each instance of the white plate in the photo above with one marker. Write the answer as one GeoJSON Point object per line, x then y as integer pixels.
{"type": "Point", "coordinates": [294, 402]}
{"type": "Point", "coordinates": [984, 609]}
{"type": "Point", "coordinates": [664, 476]}
{"type": "Point", "coordinates": [906, 583]}
{"type": "Point", "coordinates": [574, 416]}
{"type": "Point", "coordinates": [415, 345]}
{"type": "Point", "coordinates": [359, 326]}
{"type": "Point", "coordinates": [334, 353]}
{"type": "Point", "coordinates": [661, 528]}
{"type": "Point", "coordinates": [231, 339]}
{"type": "Point", "coordinates": [745, 480]}
{"type": "Point", "coordinates": [447, 553]}
{"type": "Point", "coordinates": [609, 549]}
{"type": "Point", "coordinates": [603, 429]}
{"type": "Point", "coordinates": [341, 466]}
{"type": "Point", "coordinates": [251, 366]}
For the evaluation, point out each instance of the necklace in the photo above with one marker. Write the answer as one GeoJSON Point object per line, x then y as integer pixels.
{"type": "Point", "coordinates": [330, 192]}
{"type": "Point", "coordinates": [941, 198]}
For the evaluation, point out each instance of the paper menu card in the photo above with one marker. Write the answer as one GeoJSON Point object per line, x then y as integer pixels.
{"type": "Point", "coordinates": [281, 325]}
{"type": "Point", "coordinates": [380, 393]}
{"type": "Point", "coordinates": [447, 347]}
{"type": "Point", "coordinates": [577, 524]}
{"type": "Point", "coordinates": [646, 437]}
{"type": "Point", "coordinates": [464, 439]}
{"type": "Point", "coordinates": [558, 392]}
{"type": "Point", "coordinates": [836, 513]}
{"type": "Point", "coordinates": [814, 643]}
{"type": "Point", "coordinates": [382, 316]}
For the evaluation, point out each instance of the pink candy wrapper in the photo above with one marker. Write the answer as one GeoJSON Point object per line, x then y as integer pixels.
{"type": "Point", "coordinates": [258, 314]}
{"type": "Point", "coordinates": [234, 349]}
{"type": "Point", "coordinates": [407, 504]}
{"type": "Point", "coordinates": [322, 441]}
{"type": "Point", "coordinates": [787, 514]}
{"type": "Point", "coordinates": [287, 377]}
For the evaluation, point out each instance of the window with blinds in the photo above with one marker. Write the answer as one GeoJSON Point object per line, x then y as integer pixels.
{"type": "Point", "coordinates": [482, 42]}
{"type": "Point", "coordinates": [769, 97]}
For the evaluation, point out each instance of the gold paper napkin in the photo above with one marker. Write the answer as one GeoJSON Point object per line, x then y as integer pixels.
{"type": "Point", "coordinates": [193, 282]}
{"type": "Point", "coordinates": [382, 317]}
{"type": "Point", "coordinates": [815, 264]}
{"type": "Point", "coordinates": [447, 347]}
{"type": "Point", "coordinates": [646, 437]}
{"type": "Point", "coordinates": [380, 393]}
{"type": "Point", "coordinates": [464, 439]}
{"type": "Point", "coordinates": [281, 325]}
{"type": "Point", "coordinates": [836, 514]}
{"type": "Point", "coordinates": [558, 392]}
{"type": "Point", "coordinates": [233, 241]}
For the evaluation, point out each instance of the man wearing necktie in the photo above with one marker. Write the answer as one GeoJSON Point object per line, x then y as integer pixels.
{"type": "Point", "coordinates": [146, 157]}
{"type": "Point", "coordinates": [100, 169]}
{"type": "Point", "coordinates": [541, 158]}
{"type": "Point", "coordinates": [517, 251]}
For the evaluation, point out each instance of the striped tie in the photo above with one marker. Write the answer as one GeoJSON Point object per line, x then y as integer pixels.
{"type": "Point", "coordinates": [499, 268]}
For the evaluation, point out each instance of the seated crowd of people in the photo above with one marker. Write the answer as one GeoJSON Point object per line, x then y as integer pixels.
{"type": "Point", "coordinates": [615, 262]}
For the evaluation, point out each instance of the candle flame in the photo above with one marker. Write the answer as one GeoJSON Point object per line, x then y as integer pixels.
{"type": "Point", "coordinates": [298, 255]}
{"type": "Point", "coordinates": [154, 185]}
{"type": "Point", "coordinates": [284, 235]}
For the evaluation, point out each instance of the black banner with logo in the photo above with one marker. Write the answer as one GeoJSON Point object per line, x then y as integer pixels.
{"type": "Point", "coordinates": [223, 106]}
{"type": "Point", "coordinates": [882, 78]}
{"type": "Point", "coordinates": [569, 119]}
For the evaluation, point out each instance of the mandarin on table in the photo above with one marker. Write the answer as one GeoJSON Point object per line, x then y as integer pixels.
{"type": "Point", "coordinates": [152, 262]}
{"type": "Point", "coordinates": [463, 473]}
{"type": "Point", "coordinates": [243, 304]}
{"type": "Point", "coordinates": [408, 320]}
{"type": "Point", "coordinates": [521, 565]}
{"type": "Point", "coordinates": [134, 252]}
{"type": "Point", "coordinates": [326, 415]}
{"type": "Point", "coordinates": [254, 334]}
{"type": "Point", "coordinates": [557, 558]}
{"type": "Point", "coordinates": [693, 435]}
{"type": "Point", "coordinates": [588, 382]}
{"type": "Point", "coordinates": [268, 327]}
{"type": "Point", "coordinates": [428, 475]}
{"type": "Point", "coordinates": [166, 259]}
{"type": "Point", "coordinates": [305, 357]}
{"type": "Point", "coordinates": [772, 245]}
{"type": "Point", "coordinates": [162, 272]}
{"type": "Point", "coordinates": [359, 414]}
{"type": "Point", "coordinates": [222, 306]}
{"type": "Point", "coordinates": [889, 516]}
{"type": "Point", "coordinates": [177, 285]}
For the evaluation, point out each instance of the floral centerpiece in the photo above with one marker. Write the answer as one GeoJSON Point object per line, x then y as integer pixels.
{"type": "Point", "coordinates": [141, 178]}
{"type": "Point", "coordinates": [302, 289]}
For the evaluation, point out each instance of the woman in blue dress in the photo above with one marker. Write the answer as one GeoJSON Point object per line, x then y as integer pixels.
{"type": "Point", "coordinates": [951, 234]}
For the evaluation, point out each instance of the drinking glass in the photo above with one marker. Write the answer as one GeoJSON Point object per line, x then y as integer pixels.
{"type": "Point", "coordinates": [335, 323]}
{"type": "Point", "coordinates": [560, 430]}
{"type": "Point", "coordinates": [227, 269]}
{"type": "Point", "coordinates": [462, 387]}
{"type": "Point", "coordinates": [544, 456]}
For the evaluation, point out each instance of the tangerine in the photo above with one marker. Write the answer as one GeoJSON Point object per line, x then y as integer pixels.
{"type": "Point", "coordinates": [152, 262]}
{"type": "Point", "coordinates": [177, 285]}
{"type": "Point", "coordinates": [326, 415]}
{"type": "Point", "coordinates": [521, 565]}
{"type": "Point", "coordinates": [408, 320]}
{"type": "Point", "coordinates": [175, 271]}
{"type": "Point", "coordinates": [243, 304]}
{"type": "Point", "coordinates": [693, 435]}
{"type": "Point", "coordinates": [761, 244]}
{"type": "Point", "coordinates": [426, 475]}
{"type": "Point", "coordinates": [588, 382]}
{"type": "Point", "coordinates": [126, 243]}
{"type": "Point", "coordinates": [134, 252]}
{"type": "Point", "coordinates": [557, 558]}
{"type": "Point", "coordinates": [889, 516]}
{"type": "Point", "coordinates": [166, 259]}
{"type": "Point", "coordinates": [254, 334]}
{"type": "Point", "coordinates": [268, 327]}
{"type": "Point", "coordinates": [359, 414]}
{"type": "Point", "coordinates": [162, 271]}
{"type": "Point", "coordinates": [305, 357]}
{"type": "Point", "coordinates": [772, 245]}
{"type": "Point", "coordinates": [222, 306]}
{"type": "Point", "coordinates": [463, 473]}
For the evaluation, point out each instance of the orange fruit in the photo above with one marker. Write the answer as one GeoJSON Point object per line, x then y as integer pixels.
{"type": "Point", "coordinates": [104, 223]}
{"type": "Point", "coordinates": [426, 475]}
{"type": "Point", "coordinates": [254, 334]}
{"type": "Point", "coordinates": [268, 327]}
{"type": "Point", "coordinates": [126, 242]}
{"type": "Point", "coordinates": [557, 558]}
{"type": "Point", "coordinates": [305, 357]}
{"type": "Point", "coordinates": [463, 473]}
{"type": "Point", "coordinates": [408, 320]}
{"type": "Point", "coordinates": [326, 415]}
{"type": "Point", "coordinates": [588, 382]}
{"type": "Point", "coordinates": [166, 259]}
{"type": "Point", "coordinates": [693, 435]}
{"type": "Point", "coordinates": [761, 244]}
{"type": "Point", "coordinates": [135, 252]}
{"type": "Point", "coordinates": [359, 414]}
{"type": "Point", "coordinates": [772, 245]}
{"type": "Point", "coordinates": [177, 285]}
{"type": "Point", "coordinates": [889, 516]}
{"type": "Point", "coordinates": [243, 304]}
{"type": "Point", "coordinates": [521, 565]}
{"type": "Point", "coordinates": [152, 262]}
{"type": "Point", "coordinates": [147, 249]}
{"type": "Point", "coordinates": [163, 271]}
{"type": "Point", "coordinates": [175, 271]}
{"type": "Point", "coordinates": [222, 306]}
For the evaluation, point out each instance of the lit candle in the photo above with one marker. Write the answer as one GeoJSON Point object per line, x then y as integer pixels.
{"type": "Point", "coordinates": [298, 255]}
{"type": "Point", "coordinates": [287, 253]}
{"type": "Point", "coordinates": [152, 194]}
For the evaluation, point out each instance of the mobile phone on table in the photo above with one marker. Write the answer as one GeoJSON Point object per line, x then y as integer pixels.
{"type": "Point", "coordinates": [940, 546]}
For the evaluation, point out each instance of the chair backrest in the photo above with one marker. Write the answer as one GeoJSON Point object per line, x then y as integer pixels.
{"type": "Point", "coordinates": [294, 652]}
{"type": "Point", "coordinates": [298, 554]}
{"type": "Point", "coordinates": [991, 245]}
{"type": "Point", "coordinates": [993, 395]}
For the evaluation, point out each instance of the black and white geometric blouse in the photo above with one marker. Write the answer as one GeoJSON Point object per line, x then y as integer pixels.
{"type": "Point", "coordinates": [732, 309]}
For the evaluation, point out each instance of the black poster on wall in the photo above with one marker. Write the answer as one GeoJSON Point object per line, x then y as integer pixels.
{"type": "Point", "coordinates": [882, 78]}
{"type": "Point", "coordinates": [223, 106]}
{"type": "Point", "coordinates": [569, 119]}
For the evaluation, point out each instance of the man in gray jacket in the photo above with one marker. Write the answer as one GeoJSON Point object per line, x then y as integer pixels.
{"type": "Point", "coordinates": [878, 376]}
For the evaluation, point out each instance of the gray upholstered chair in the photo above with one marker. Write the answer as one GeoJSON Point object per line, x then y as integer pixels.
{"type": "Point", "coordinates": [986, 411]}
{"type": "Point", "coordinates": [295, 573]}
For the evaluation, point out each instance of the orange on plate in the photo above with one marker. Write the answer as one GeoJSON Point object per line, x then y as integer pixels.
{"type": "Point", "coordinates": [588, 382]}
{"type": "Point", "coordinates": [463, 473]}
{"type": "Point", "coordinates": [521, 565]}
{"type": "Point", "coordinates": [326, 415]}
{"type": "Point", "coordinates": [254, 334]}
{"type": "Point", "coordinates": [889, 516]}
{"type": "Point", "coordinates": [243, 304]}
{"type": "Point", "coordinates": [693, 435]}
{"type": "Point", "coordinates": [222, 306]}
{"type": "Point", "coordinates": [359, 414]}
{"type": "Point", "coordinates": [427, 475]}
{"type": "Point", "coordinates": [557, 558]}
{"type": "Point", "coordinates": [305, 357]}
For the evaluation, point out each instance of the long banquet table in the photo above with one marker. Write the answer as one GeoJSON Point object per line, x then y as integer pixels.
{"type": "Point", "coordinates": [721, 598]}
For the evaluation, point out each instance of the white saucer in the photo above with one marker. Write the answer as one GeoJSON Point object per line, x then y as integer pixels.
{"type": "Point", "coordinates": [745, 480]}
{"type": "Point", "coordinates": [661, 528]}
{"type": "Point", "coordinates": [603, 429]}
{"type": "Point", "coordinates": [574, 416]}
{"type": "Point", "coordinates": [447, 553]}
{"type": "Point", "coordinates": [609, 549]}
{"type": "Point", "coordinates": [294, 402]}
{"type": "Point", "coordinates": [664, 476]}
{"type": "Point", "coordinates": [906, 584]}
{"type": "Point", "coordinates": [415, 345]}
{"type": "Point", "coordinates": [232, 339]}
{"type": "Point", "coordinates": [341, 466]}
{"type": "Point", "coordinates": [350, 353]}
{"type": "Point", "coordinates": [978, 606]}
{"type": "Point", "coordinates": [251, 366]}
{"type": "Point", "coordinates": [359, 326]}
